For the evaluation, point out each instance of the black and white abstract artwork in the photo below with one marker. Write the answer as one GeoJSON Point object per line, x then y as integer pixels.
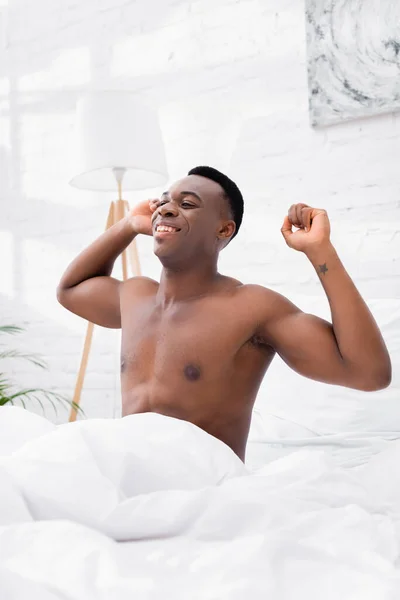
{"type": "Point", "coordinates": [353, 59]}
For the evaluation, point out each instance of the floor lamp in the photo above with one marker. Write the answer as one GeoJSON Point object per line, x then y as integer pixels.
{"type": "Point", "coordinates": [119, 145]}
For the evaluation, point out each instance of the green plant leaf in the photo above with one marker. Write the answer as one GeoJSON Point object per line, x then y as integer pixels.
{"type": "Point", "coordinates": [48, 395]}
{"type": "Point", "coordinates": [23, 393]}
{"type": "Point", "coordinates": [69, 402]}
{"type": "Point", "coordinates": [4, 382]}
{"type": "Point", "coordinates": [7, 395]}
{"type": "Point", "coordinates": [11, 329]}
{"type": "Point", "coordinates": [38, 400]}
{"type": "Point", "coordinates": [33, 358]}
{"type": "Point", "coordinates": [49, 398]}
{"type": "Point", "coordinates": [5, 387]}
{"type": "Point", "coordinates": [11, 401]}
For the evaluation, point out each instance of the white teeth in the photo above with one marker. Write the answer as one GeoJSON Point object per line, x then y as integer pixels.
{"type": "Point", "coordinates": [165, 228]}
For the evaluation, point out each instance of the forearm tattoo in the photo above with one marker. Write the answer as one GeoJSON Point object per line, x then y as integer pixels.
{"type": "Point", "coordinates": [323, 268]}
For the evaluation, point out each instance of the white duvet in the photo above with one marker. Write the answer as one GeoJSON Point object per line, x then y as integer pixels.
{"type": "Point", "coordinates": [152, 507]}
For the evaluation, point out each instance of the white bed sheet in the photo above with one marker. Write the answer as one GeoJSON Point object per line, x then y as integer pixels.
{"type": "Point", "coordinates": [151, 507]}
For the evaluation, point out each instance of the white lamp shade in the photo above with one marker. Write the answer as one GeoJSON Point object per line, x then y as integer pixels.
{"type": "Point", "coordinates": [113, 131]}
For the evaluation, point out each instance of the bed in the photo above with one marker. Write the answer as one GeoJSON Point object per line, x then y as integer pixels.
{"type": "Point", "coordinates": [152, 507]}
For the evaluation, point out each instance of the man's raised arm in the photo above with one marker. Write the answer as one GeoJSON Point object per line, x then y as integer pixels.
{"type": "Point", "coordinates": [87, 288]}
{"type": "Point", "coordinates": [350, 351]}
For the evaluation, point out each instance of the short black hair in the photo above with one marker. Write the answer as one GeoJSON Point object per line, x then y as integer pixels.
{"type": "Point", "coordinates": [230, 188]}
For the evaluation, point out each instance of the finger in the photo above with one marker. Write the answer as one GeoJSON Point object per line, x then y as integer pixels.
{"type": "Point", "coordinates": [153, 203]}
{"type": "Point", "coordinates": [306, 217]}
{"type": "Point", "coordinates": [286, 228]}
{"type": "Point", "coordinates": [292, 214]}
{"type": "Point", "coordinates": [300, 214]}
{"type": "Point", "coordinates": [318, 211]}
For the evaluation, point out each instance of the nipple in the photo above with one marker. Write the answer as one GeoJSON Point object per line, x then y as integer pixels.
{"type": "Point", "coordinates": [192, 372]}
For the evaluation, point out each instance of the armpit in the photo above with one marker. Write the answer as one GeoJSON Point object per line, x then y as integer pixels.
{"type": "Point", "coordinates": [260, 342]}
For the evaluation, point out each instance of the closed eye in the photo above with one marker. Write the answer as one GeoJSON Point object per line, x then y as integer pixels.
{"type": "Point", "coordinates": [185, 203]}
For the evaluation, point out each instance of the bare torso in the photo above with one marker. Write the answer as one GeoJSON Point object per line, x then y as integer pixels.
{"type": "Point", "coordinates": [196, 360]}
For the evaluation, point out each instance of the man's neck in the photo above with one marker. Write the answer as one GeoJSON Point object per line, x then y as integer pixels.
{"type": "Point", "coordinates": [185, 283]}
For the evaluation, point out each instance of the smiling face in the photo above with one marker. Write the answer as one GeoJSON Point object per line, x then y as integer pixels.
{"type": "Point", "coordinates": [193, 220]}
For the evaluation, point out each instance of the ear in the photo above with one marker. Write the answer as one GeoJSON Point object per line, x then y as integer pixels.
{"type": "Point", "coordinates": [226, 231]}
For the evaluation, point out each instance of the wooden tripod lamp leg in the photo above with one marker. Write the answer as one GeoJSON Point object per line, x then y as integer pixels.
{"type": "Point", "coordinates": [119, 214]}
{"type": "Point", "coordinates": [82, 370]}
{"type": "Point", "coordinates": [133, 251]}
{"type": "Point", "coordinates": [118, 210]}
{"type": "Point", "coordinates": [88, 341]}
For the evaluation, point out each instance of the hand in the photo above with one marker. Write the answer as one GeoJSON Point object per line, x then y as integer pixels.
{"type": "Point", "coordinates": [140, 216]}
{"type": "Point", "coordinates": [314, 228]}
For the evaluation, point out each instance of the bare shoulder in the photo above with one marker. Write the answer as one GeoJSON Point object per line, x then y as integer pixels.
{"type": "Point", "coordinates": [230, 283]}
{"type": "Point", "coordinates": [257, 295]}
{"type": "Point", "coordinates": [266, 303]}
{"type": "Point", "coordinates": [139, 286]}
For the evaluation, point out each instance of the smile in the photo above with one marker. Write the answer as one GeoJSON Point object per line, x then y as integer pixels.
{"type": "Point", "coordinates": [166, 229]}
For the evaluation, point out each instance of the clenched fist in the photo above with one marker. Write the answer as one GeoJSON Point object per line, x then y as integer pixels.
{"type": "Point", "coordinates": [140, 216]}
{"type": "Point", "coordinates": [313, 227]}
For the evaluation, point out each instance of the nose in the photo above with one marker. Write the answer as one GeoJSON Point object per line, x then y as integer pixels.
{"type": "Point", "coordinates": [168, 209]}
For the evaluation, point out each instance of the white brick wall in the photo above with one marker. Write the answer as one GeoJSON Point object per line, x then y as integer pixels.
{"type": "Point", "coordinates": [229, 81]}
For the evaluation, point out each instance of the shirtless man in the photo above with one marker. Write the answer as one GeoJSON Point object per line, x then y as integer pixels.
{"type": "Point", "coordinates": [197, 344]}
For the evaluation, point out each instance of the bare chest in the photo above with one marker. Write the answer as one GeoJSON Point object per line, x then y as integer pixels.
{"type": "Point", "coordinates": [196, 362]}
{"type": "Point", "coordinates": [196, 343]}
